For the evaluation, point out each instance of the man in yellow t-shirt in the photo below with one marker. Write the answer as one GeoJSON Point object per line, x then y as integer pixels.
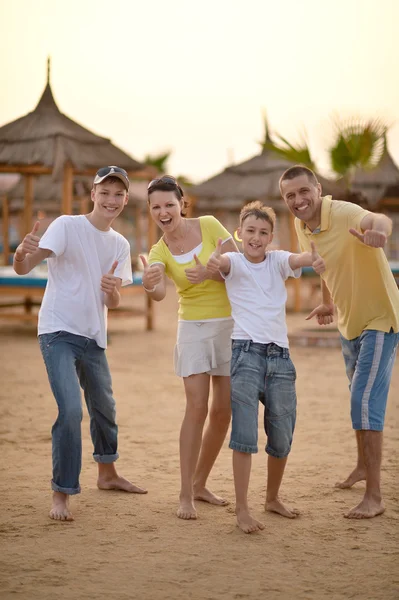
{"type": "Point", "coordinates": [359, 282]}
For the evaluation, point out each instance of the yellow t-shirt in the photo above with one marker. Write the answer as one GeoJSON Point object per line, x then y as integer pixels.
{"type": "Point", "coordinates": [358, 277]}
{"type": "Point", "coordinates": [201, 301]}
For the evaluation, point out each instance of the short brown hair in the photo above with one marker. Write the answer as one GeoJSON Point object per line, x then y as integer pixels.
{"type": "Point", "coordinates": [297, 171]}
{"type": "Point", "coordinates": [258, 210]}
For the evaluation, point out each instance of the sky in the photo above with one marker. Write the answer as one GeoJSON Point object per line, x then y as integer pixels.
{"type": "Point", "coordinates": [195, 77]}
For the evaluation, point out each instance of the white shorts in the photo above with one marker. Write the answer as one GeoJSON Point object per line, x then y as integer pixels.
{"type": "Point", "coordinates": [203, 347]}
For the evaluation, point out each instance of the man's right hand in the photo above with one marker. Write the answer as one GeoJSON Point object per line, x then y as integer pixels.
{"type": "Point", "coordinates": [152, 274]}
{"type": "Point", "coordinates": [324, 314]}
{"type": "Point", "coordinates": [213, 264]}
{"type": "Point", "coordinates": [29, 244]}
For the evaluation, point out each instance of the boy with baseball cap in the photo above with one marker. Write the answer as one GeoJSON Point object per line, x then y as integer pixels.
{"type": "Point", "coordinates": [88, 262]}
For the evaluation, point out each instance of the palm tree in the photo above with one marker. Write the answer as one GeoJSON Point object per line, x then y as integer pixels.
{"type": "Point", "coordinates": [160, 162]}
{"type": "Point", "coordinates": [358, 144]}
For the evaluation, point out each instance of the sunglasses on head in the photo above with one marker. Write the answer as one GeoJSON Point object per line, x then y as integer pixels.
{"type": "Point", "coordinates": [104, 171]}
{"type": "Point", "coordinates": [164, 179]}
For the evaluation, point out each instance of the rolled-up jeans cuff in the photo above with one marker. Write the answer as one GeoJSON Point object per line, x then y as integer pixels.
{"type": "Point", "coordinates": [105, 458]}
{"type": "Point", "coordinates": [64, 490]}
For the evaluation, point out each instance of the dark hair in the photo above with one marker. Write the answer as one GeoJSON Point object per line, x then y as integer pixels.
{"type": "Point", "coordinates": [169, 186]}
{"type": "Point", "coordinates": [297, 171]}
{"type": "Point", "coordinates": [258, 210]}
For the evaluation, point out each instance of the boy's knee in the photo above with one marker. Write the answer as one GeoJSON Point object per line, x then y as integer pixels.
{"type": "Point", "coordinates": [71, 414]}
{"type": "Point", "coordinates": [278, 450]}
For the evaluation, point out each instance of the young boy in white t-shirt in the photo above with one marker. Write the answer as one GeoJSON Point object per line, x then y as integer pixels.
{"type": "Point", "coordinates": [261, 368]}
{"type": "Point", "coordinates": [88, 262]}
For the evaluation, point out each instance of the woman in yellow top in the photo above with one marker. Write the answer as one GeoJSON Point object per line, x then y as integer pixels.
{"type": "Point", "coordinates": [203, 347]}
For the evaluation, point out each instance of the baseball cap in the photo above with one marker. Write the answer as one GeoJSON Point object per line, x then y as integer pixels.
{"type": "Point", "coordinates": [112, 171]}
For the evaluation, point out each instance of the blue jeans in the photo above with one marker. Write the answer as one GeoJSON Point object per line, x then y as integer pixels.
{"type": "Point", "coordinates": [369, 361]}
{"type": "Point", "coordinates": [73, 361]}
{"type": "Point", "coordinates": [265, 373]}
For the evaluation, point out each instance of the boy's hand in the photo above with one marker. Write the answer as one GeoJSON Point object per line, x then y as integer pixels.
{"type": "Point", "coordinates": [152, 274]}
{"type": "Point", "coordinates": [318, 264]}
{"type": "Point", "coordinates": [196, 274]}
{"type": "Point", "coordinates": [213, 264]}
{"type": "Point", "coordinates": [109, 281]}
{"type": "Point", "coordinates": [371, 237]}
{"type": "Point", "coordinates": [324, 314]}
{"type": "Point", "coordinates": [29, 244]}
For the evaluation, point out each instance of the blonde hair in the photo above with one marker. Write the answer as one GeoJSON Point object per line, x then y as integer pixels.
{"type": "Point", "coordinates": [258, 210]}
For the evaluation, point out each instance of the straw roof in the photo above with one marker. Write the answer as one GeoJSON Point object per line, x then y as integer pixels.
{"type": "Point", "coordinates": [378, 183]}
{"type": "Point", "coordinates": [49, 138]}
{"type": "Point", "coordinates": [253, 179]}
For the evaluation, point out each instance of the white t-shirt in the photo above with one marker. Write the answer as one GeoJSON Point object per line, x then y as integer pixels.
{"type": "Point", "coordinates": [257, 295]}
{"type": "Point", "coordinates": [81, 255]}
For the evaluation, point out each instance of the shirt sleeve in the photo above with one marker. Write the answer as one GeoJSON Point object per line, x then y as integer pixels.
{"type": "Point", "coordinates": [157, 256]}
{"type": "Point", "coordinates": [354, 214]}
{"type": "Point", "coordinates": [55, 237]}
{"type": "Point", "coordinates": [233, 256]}
{"type": "Point", "coordinates": [124, 268]}
{"type": "Point", "coordinates": [282, 259]}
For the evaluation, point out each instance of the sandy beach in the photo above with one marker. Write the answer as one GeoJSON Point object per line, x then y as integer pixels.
{"type": "Point", "coordinates": [124, 546]}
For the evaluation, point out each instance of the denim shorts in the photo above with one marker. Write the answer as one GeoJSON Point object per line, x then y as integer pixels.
{"type": "Point", "coordinates": [369, 361]}
{"type": "Point", "coordinates": [262, 372]}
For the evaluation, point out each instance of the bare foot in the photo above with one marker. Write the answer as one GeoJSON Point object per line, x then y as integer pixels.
{"type": "Point", "coordinates": [119, 483]}
{"type": "Point", "coordinates": [247, 523]}
{"type": "Point", "coordinates": [186, 509]}
{"type": "Point", "coordinates": [356, 475]}
{"type": "Point", "coordinates": [206, 496]}
{"type": "Point", "coordinates": [60, 508]}
{"type": "Point", "coordinates": [278, 507]}
{"type": "Point", "coordinates": [367, 509]}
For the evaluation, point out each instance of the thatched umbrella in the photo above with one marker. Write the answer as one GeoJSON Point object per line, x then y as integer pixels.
{"type": "Point", "coordinates": [253, 179]}
{"type": "Point", "coordinates": [378, 184]}
{"type": "Point", "coordinates": [47, 142]}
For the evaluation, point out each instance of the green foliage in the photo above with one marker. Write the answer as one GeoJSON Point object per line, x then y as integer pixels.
{"type": "Point", "coordinates": [357, 144]}
{"type": "Point", "coordinates": [159, 161]}
{"type": "Point", "coordinates": [299, 154]}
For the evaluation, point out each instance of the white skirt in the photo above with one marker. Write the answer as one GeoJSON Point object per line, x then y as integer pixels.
{"type": "Point", "coordinates": [203, 347]}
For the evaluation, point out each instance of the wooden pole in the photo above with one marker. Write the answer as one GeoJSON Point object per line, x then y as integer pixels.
{"type": "Point", "coordinates": [151, 239]}
{"type": "Point", "coordinates": [137, 227]}
{"type": "Point", "coordinates": [6, 228]}
{"type": "Point", "coordinates": [28, 204]}
{"type": "Point", "coordinates": [191, 207]}
{"type": "Point", "coordinates": [67, 190]}
{"type": "Point", "coordinates": [84, 205]}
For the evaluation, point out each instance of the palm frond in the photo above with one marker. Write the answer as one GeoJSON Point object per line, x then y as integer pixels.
{"type": "Point", "coordinates": [359, 143]}
{"type": "Point", "coordinates": [299, 154]}
{"type": "Point", "coordinates": [159, 161]}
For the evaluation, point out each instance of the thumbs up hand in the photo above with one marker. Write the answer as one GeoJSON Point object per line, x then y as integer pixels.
{"type": "Point", "coordinates": [318, 264]}
{"type": "Point", "coordinates": [214, 262]}
{"type": "Point", "coordinates": [371, 237]}
{"type": "Point", "coordinates": [197, 274]}
{"type": "Point", "coordinates": [109, 282]}
{"type": "Point", "coordinates": [152, 274]}
{"type": "Point", "coordinates": [29, 244]}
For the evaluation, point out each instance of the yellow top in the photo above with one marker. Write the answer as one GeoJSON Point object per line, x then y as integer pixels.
{"type": "Point", "coordinates": [201, 301]}
{"type": "Point", "coordinates": [358, 277]}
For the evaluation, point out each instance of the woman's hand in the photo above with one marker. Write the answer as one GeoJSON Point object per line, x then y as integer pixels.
{"type": "Point", "coordinates": [197, 274]}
